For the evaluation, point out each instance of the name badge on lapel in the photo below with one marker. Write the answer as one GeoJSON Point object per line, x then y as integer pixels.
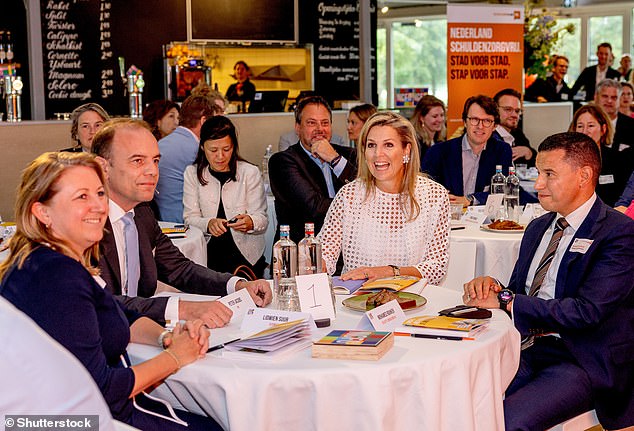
{"type": "Point", "coordinates": [581, 245]}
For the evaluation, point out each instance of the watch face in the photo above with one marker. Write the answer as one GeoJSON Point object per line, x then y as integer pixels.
{"type": "Point", "coordinates": [505, 295]}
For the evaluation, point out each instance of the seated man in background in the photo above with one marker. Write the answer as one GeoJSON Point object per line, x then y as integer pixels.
{"type": "Point", "coordinates": [130, 155]}
{"type": "Point", "coordinates": [553, 88]}
{"type": "Point", "coordinates": [509, 103]}
{"type": "Point", "coordinates": [618, 157]}
{"type": "Point", "coordinates": [306, 177]}
{"type": "Point", "coordinates": [178, 150]}
{"type": "Point", "coordinates": [571, 296]}
{"type": "Point", "coordinates": [465, 165]}
{"type": "Point", "coordinates": [40, 377]}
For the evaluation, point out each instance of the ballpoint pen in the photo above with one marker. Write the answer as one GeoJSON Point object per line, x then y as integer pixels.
{"type": "Point", "coordinates": [221, 346]}
{"type": "Point", "coordinates": [433, 337]}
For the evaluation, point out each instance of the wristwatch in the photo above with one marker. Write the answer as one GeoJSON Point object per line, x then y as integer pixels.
{"type": "Point", "coordinates": [396, 269]}
{"type": "Point", "coordinates": [505, 296]}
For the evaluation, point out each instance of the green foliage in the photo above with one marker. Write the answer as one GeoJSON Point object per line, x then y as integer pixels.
{"type": "Point", "coordinates": [541, 34]}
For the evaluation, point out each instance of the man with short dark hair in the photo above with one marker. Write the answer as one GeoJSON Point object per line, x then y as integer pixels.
{"type": "Point", "coordinates": [618, 157]}
{"type": "Point", "coordinates": [178, 150]}
{"type": "Point", "coordinates": [553, 88]}
{"type": "Point", "coordinates": [305, 177]}
{"type": "Point", "coordinates": [465, 165]}
{"type": "Point", "coordinates": [509, 103]}
{"type": "Point", "coordinates": [129, 154]}
{"type": "Point", "coordinates": [592, 75]}
{"type": "Point", "coordinates": [571, 296]}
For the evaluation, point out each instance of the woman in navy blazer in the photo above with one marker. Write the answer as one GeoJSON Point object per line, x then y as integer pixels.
{"type": "Point", "coordinates": [60, 211]}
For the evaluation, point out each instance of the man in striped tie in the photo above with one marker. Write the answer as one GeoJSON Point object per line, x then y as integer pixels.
{"type": "Point", "coordinates": [571, 297]}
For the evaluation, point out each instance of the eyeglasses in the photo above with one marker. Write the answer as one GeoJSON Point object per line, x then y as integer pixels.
{"type": "Point", "coordinates": [474, 121]}
{"type": "Point", "coordinates": [509, 109]}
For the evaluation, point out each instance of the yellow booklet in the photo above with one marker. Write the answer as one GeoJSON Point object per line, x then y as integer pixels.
{"type": "Point", "coordinates": [443, 325]}
{"type": "Point", "coordinates": [395, 284]}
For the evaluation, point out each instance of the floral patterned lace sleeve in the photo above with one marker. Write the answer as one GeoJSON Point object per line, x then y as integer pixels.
{"type": "Point", "coordinates": [374, 230]}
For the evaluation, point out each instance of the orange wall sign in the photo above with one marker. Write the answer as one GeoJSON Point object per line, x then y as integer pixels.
{"type": "Point", "coordinates": [485, 54]}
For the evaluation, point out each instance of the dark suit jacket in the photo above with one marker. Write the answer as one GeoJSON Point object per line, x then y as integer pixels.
{"type": "Point", "coordinates": [300, 190]}
{"type": "Point", "coordinates": [520, 141]}
{"type": "Point", "coordinates": [617, 161]}
{"type": "Point", "coordinates": [547, 88]}
{"type": "Point", "coordinates": [593, 309]}
{"type": "Point", "coordinates": [588, 80]}
{"type": "Point", "coordinates": [443, 162]}
{"type": "Point", "coordinates": [160, 259]}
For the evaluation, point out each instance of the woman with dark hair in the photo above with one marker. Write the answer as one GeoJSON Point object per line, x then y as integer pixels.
{"type": "Point", "coordinates": [162, 116]}
{"type": "Point", "coordinates": [357, 116]}
{"type": "Point", "coordinates": [60, 212]}
{"type": "Point", "coordinates": [243, 90]}
{"type": "Point", "coordinates": [592, 121]}
{"type": "Point", "coordinates": [429, 123]}
{"type": "Point", "coordinates": [224, 195]}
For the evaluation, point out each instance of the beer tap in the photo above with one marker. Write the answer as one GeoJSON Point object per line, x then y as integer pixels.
{"type": "Point", "coordinates": [133, 84]}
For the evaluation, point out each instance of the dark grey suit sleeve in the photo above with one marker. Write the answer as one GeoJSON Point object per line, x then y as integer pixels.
{"type": "Point", "coordinates": [154, 308]}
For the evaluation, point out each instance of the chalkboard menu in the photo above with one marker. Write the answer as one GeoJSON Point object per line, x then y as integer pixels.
{"type": "Point", "coordinates": [332, 26]}
{"type": "Point", "coordinates": [81, 40]}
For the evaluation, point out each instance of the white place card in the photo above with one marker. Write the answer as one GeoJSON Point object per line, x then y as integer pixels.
{"type": "Point", "coordinates": [494, 202]}
{"type": "Point", "coordinates": [238, 302]}
{"type": "Point", "coordinates": [258, 319]}
{"type": "Point", "coordinates": [383, 318]}
{"type": "Point", "coordinates": [475, 215]}
{"type": "Point", "coordinates": [315, 296]}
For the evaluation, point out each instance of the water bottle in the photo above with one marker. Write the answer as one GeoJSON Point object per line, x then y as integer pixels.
{"type": "Point", "coordinates": [309, 252]}
{"type": "Point", "coordinates": [512, 196]}
{"type": "Point", "coordinates": [265, 169]}
{"type": "Point", "coordinates": [498, 183]}
{"type": "Point", "coordinates": [284, 271]}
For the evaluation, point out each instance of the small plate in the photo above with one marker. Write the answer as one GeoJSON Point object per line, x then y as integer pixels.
{"type": "Point", "coordinates": [358, 302]}
{"type": "Point", "coordinates": [488, 229]}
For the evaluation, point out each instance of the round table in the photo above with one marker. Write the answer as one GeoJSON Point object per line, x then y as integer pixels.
{"type": "Point", "coordinates": [193, 246]}
{"type": "Point", "coordinates": [496, 252]}
{"type": "Point", "coordinates": [418, 384]}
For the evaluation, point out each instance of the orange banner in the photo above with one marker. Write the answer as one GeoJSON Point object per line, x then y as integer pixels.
{"type": "Point", "coordinates": [485, 54]}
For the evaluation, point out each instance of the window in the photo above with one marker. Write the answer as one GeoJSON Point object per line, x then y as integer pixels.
{"type": "Point", "coordinates": [605, 29]}
{"type": "Point", "coordinates": [570, 46]}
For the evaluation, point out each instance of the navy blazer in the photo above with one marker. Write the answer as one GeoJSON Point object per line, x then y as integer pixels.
{"type": "Point", "coordinates": [300, 190]}
{"type": "Point", "coordinates": [443, 162]}
{"type": "Point", "coordinates": [593, 309]}
{"type": "Point", "coordinates": [161, 260]}
{"type": "Point", "coordinates": [588, 80]}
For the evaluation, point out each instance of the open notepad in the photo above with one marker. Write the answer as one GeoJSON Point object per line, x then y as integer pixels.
{"type": "Point", "coordinates": [394, 284]}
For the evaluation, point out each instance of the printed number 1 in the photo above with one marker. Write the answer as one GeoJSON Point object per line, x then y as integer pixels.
{"type": "Point", "coordinates": [312, 287]}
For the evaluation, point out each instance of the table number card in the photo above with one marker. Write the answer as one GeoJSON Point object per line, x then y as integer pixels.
{"type": "Point", "coordinates": [494, 202]}
{"type": "Point", "coordinates": [383, 318]}
{"type": "Point", "coordinates": [475, 214]}
{"type": "Point", "coordinates": [315, 296]}
{"type": "Point", "coordinates": [239, 302]}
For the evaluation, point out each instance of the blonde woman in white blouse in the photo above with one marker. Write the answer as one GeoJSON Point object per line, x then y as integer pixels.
{"type": "Point", "coordinates": [221, 186]}
{"type": "Point", "coordinates": [392, 219]}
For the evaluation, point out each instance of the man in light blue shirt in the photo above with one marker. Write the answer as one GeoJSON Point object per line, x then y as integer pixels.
{"type": "Point", "coordinates": [178, 150]}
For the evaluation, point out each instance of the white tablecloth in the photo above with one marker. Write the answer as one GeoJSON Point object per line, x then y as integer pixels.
{"type": "Point", "coordinates": [496, 252]}
{"type": "Point", "coordinates": [194, 245]}
{"type": "Point", "coordinates": [419, 385]}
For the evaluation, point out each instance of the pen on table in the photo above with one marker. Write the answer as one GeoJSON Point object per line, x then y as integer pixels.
{"type": "Point", "coordinates": [433, 337]}
{"type": "Point", "coordinates": [221, 346]}
{"type": "Point", "coordinates": [458, 228]}
{"type": "Point", "coordinates": [176, 236]}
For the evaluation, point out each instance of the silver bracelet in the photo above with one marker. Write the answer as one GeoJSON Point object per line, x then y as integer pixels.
{"type": "Point", "coordinates": [161, 338]}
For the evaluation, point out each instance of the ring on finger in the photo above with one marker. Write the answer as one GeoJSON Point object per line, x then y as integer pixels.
{"type": "Point", "coordinates": [365, 274]}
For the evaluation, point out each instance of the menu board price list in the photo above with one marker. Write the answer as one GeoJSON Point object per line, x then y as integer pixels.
{"type": "Point", "coordinates": [105, 49]}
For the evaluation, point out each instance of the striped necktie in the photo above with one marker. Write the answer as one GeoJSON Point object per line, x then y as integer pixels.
{"type": "Point", "coordinates": [132, 263]}
{"type": "Point", "coordinates": [543, 266]}
{"type": "Point", "coordinates": [549, 254]}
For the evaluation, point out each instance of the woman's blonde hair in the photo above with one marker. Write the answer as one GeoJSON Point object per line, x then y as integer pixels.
{"type": "Point", "coordinates": [39, 184]}
{"type": "Point", "coordinates": [602, 118]}
{"type": "Point", "coordinates": [407, 136]}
